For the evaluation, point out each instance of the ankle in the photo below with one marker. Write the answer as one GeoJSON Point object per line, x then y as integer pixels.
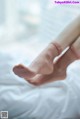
{"type": "Point", "coordinates": [76, 51]}
{"type": "Point", "coordinates": [75, 47]}
{"type": "Point", "coordinates": [52, 51]}
{"type": "Point", "coordinates": [58, 47]}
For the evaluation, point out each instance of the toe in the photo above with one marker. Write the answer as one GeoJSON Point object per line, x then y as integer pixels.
{"type": "Point", "coordinates": [23, 71]}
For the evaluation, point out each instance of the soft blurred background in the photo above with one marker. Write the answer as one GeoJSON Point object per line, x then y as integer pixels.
{"type": "Point", "coordinates": [27, 26]}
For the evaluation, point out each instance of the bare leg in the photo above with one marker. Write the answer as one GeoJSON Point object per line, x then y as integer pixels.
{"type": "Point", "coordinates": [60, 66]}
{"type": "Point", "coordinates": [43, 64]}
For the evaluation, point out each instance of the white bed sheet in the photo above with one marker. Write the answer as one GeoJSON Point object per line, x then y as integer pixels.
{"type": "Point", "coordinates": [58, 100]}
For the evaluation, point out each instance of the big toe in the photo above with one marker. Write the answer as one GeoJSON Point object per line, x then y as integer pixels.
{"type": "Point", "coordinates": [23, 71]}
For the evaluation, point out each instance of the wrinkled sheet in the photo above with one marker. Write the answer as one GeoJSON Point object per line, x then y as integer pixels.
{"type": "Point", "coordinates": [57, 100]}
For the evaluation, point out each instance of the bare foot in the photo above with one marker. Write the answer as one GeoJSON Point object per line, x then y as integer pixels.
{"type": "Point", "coordinates": [60, 66]}
{"type": "Point", "coordinates": [43, 64]}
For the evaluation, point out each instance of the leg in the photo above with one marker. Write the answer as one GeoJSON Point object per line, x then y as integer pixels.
{"type": "Point", "coordinates": [60, 66]}
{"type": "Point", "coordinates": [43, 64]}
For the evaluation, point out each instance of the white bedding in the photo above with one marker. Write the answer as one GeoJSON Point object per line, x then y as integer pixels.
{"type": "Point", "coordinates": [58, 100]}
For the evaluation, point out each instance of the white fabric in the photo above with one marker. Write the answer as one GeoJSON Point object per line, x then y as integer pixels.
{"type": "Point", "coordinates": [58, 100]}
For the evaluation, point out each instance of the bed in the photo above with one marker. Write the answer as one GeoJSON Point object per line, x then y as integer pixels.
{"type": "Point", "coordinates": [57, 100]}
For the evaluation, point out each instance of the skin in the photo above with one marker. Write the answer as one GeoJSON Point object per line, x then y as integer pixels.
{"type": "Point", "coordinates": [43, 64]}
{"type": "Point", "coordinates": [60, 66]}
